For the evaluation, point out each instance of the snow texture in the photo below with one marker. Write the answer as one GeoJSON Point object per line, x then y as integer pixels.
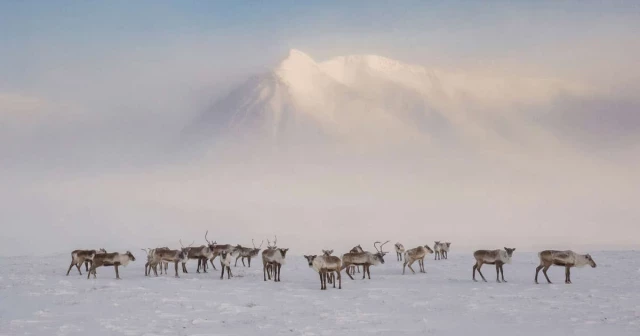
{"type": "Point", "coordinates": [36, 298]}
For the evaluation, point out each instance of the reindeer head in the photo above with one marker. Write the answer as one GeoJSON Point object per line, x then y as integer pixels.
{"type": "Point", "coordinates": [509, 251]}
{"type": "Point", "coordinates": [429, 250]}
{"type": "Point", "coordinates": [310, 259]}
{"type": "Point", "coordinates": [210, 244]}
{"type": "Point", "coordinates": [591, 262]}
{"type": "Point", "coordinates": [448, 244]}
{"type": "Point", "coordinates": [256, 250]}
{"type": "Point", "coordinates": [184, 251]}
{"type": "Point", "coordinates": [327, 252]}
{"type": "Point", "coordinates": [380, 255]}
{"type": "Point", "coordinates": [283, 252]}
{"type": "Point", "coordinates": [223, 255]}
{"type": "Point", "coordinates": [130, 255]}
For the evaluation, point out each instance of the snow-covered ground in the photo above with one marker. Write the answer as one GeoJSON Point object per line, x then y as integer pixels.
{"type": "Point", "coordinates": [36, 298]}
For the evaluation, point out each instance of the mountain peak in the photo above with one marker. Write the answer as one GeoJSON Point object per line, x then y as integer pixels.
{"type": "Point", "coordinates": [296, 59]}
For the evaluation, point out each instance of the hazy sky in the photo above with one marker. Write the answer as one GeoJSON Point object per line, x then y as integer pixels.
{"type": "Point", "coordinates": [93, 97]}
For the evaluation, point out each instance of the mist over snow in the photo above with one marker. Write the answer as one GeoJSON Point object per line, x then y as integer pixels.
{"type": "Point", "coordinates": [326, 154]}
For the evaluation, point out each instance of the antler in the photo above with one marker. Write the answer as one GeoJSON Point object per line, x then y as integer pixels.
{"type": "Point", "coordinates": [195, 241]}
{"type": "Point", "coordinates": [205, 237]}
{"type": "Point", "coordinates": [181, 243]}
{"type": "Point", "coordinates": [253, 243]}
{"type": "Point", "coordinates": [376, 247]}
{"type": "Point", "coordinates": [275, 242]}
{"type": "Point", "coordinates": [383, 245]}
{"type": "Point", "coordinates": [260, 244]}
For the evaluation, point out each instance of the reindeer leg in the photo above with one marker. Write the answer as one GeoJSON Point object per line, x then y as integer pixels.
{"type": "Point", "coordinates": [479, 266]}
{"type": "Point", "coordinates": [222, 273]}
{"type": "Point", "coordinates": [236, 265]}
{"type": "Point", "coordinates": [404, 266]}
{"type": "Point", "coordinates": [567, 279]}
{"type": "Point", "coordinates": [249, 261]}
{"type": "Point", "coordinates": [177, 276]}
{"type": "Point", "coordinates": [339, 280]}
{"type": "Point", "coordinates": [411, 268]}
{"type": "Point", "coordinates": [544, 271]}
{"type": "Point", "coordinates": [369, 271]}
{"type": "Point", "coordinates": [78, 267]}
{"type": "Point", "coordinates": [229, 274]}
{"type": "Point", "coordinates": [475, 266]}
{"type": "Point", "coordinates": [497, 272]}
{"type": "Point", "coordinates": [422, 265]}
{"type": "Point", "coordinates": [70, 267]}
{"type": "Point", "coordinates": [117, 273]}
{"type": "Point", "coordinates": [184, 267]}
{"type": "Point", "coordinates": [537, 271]}
{"type": "Point", "coordinates": [264, 271]}
{"type": "Point", "coordinates": [502, 271]}
{"type": "Point", "coordinates": [347, 266]}
{"type": "Point", "coordinates": [364, 271]}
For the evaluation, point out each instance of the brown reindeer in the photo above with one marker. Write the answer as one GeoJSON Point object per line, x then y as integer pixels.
{"type": "Point", "coordinates": [217, 249]}
{"type": "Point", "coordinates": [87, 263]}
{"type": "Point", "coordinates": [568, 259]}
{"type": "Point", "coordinates": [110, 259]}
{"type": "Point", "coordinates": [353, 268]}
{"type": "Point", "coordinates": [416, 254]}
{"type": "Point", "coordinates": [492, 257]}
{"type": "Point", "coordinates": [364, 259]}
{"type": "Point", "coordinates": [79, 257]}
{"type": "Point", "coordinates": [174, 256]}
{"type": "Point", "coordinates": [247, 253]}
{"type": "Point", "coordinates": [202, 254]}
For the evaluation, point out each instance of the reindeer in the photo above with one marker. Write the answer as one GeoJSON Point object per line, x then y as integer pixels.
{"type": "Point", "coordinates": [271, 247]}
{"type": "Point", "coordinates": [247, 252]}
{"type": "Point", "coordinates": [274, 258]}
{"type": "Point", "coordinates": [225, 262]}
{"type": "Point", "coordinates": [79, 257]}
{"type": "Point", "coordinates": [147, 266]}
{"type": "Point", "coordinates": [88, 262]}
{"type": "Point", "coordinates": [352, 269]}
{"type": "Point", "coordinates": [202, 253]}
{"type": "Point", "coordinates": [567, 259]}
{"type": "Point", "coordinates": [331, 275]}
{"type": "Point", "coordinates": [217, 249]}
{"type": "Point", "coordinates": [491, 257]}
{"type": "Point", "coordinates": [441, 249]}
{"type": "Point", "coordinates": [325, 264]}
{"type": "Point", "coordinates": [399, 251]}
{"type": "Point", "coordinates": [366, 259]}
{"type": "Point", "coordinates": [414, 254]}
{"type": "Point", "coordinates": [175, 256]}
{"type": "Point", "coordinates": [110, 259]}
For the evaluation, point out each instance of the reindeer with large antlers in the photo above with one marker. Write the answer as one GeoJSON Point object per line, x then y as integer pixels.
{"type": "Point", "coordinates": [364, 259]}
{"type": "Point", "coordinates": [247, 252]}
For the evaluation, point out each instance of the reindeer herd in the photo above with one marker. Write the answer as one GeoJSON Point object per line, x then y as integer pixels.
{"type": "Point", "coordinates": [328, 266]}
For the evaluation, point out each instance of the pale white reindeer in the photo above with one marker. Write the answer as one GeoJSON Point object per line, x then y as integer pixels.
{"type": "Point", "coordinates": [492, 257]}
{"type": "Point", "coordinates": [364, 259]}
{"type": "Point", "coordinates": [416, 254]}
{"type": "Point", "coordinates": [225, 262]}
{"type": "Point", "coordinates": [568, 259]}
{"type": "Point", "coordinates": [399, 251]}
{"type": "Point", "coordinates": [271, 247]}
{"type": "Point", "coordinates": [174, 256]}
{"type": "Point", "coordinates": [79, 257]}
{"type": "Point", "coordinates": [273, 258]}
{"type": "Point", "coordinates": [326, 264]}
{"type": "Point", "coordinates": [441, 250]}
{"type": "Point", "coordinates": [247, 253]}
{"type": "Point", "coordinates": [110, 259]}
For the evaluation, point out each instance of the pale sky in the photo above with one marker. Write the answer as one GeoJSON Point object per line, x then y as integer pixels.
{"type": "Point", "coordinates": [93, 97]}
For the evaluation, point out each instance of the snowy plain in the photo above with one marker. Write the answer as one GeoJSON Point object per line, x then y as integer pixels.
{"type": "Point", "coordinates": [36, 298]}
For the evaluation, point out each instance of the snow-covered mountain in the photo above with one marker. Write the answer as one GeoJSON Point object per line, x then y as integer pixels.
{"type": "Point", "coordinates": [372, 99]}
